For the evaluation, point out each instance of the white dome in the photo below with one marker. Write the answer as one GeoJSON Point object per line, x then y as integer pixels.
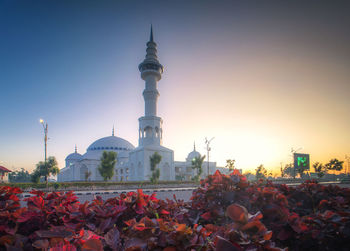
{"type": "Point", "coordinates": [192, 155]}
{"type": "Point", "coordinates": [74, 156]}
{"type": "Point", "coordinates": [111, 143]}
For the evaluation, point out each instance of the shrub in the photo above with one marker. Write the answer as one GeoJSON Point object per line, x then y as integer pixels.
{"type": "Point", "coordinates": [225, 213]}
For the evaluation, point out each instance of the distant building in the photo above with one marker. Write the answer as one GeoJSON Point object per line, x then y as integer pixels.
{"type": "Point", "coordinates": [4, 174]}
{"type": "Point", "coordinates": [133, 164]}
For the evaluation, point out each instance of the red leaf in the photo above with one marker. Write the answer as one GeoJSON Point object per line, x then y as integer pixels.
{"type": "Point", "coordinates": [41, 244]}
{"type": "Point", "coordinates": [140, 202]}
{"type": "Point", "coordinates": [37, 202]}
{"type": "Point", "coordinates": [92, 244]}
{"type": "Point", "coordinates": [257, 216]}
{"type": "Point", "coordinates": [206, 216]}
{"type": "Point", "coordinates": [268, 235]}
{"type": "Point", "coordinates": [13, 197]}
{"type": "Point", "coordinates": [169, 249]}
{"type": "Point", "coordinates": [237, 213]}
{"type": "Point", "coordinates": [135, 244]}
{"type": "Point", "coordinates": [53, 234]}
{"type": "Point", "coordinates": [67, 247]}
{"type": "Point", "coordinates": [26, 215]}
{"type": "Point", "coordinates": [112, 238]}
{"type": "Point", "coordinates": [224, 245]}
{"type": "Point", "coordinates": [253, 227]}
{"type": "Point", "coordinates": [130, 223]}
{"type": "Point", "coordinates": [163, 211]}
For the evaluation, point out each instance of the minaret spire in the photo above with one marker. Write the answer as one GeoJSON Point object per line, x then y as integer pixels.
{"type": "Point", "coordinates": [113, 131]}
{"type": "Point", "coordinates": [75, 148]}
{"type": "Point", "coordinates": [151, 35]}
{"type": "Point", "coordinates": [194, 145]}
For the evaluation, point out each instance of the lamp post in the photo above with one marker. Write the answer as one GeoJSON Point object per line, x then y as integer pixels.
{"type": "Point", "coordinates": [207, 142]}
{"type": "Point", "coordinates": [45, 150]}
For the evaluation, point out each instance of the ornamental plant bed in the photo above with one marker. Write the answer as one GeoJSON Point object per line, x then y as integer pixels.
{"type": "Point", "coordinates": [225, 213]}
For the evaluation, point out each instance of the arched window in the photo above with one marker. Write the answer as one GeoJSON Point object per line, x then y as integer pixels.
{"type": "Point", "coordinates": [148, 132]}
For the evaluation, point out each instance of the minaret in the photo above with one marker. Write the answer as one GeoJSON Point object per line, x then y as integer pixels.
{"type": "Point", "coordinates": [150, 131]}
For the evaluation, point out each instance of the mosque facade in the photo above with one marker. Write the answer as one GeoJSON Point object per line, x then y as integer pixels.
{"type": "Point", "coordinates": [133, 163]}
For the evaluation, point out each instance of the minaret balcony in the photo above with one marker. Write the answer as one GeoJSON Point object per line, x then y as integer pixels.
{"type": "Point", "coordinates": [151, 66]}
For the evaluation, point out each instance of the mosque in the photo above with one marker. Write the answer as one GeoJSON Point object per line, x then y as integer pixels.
{"type": "Point", "coordinates": [133, 164]}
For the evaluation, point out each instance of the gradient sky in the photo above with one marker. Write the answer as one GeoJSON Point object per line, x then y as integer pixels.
{"type": "Point", "coordinates": [259, 76]}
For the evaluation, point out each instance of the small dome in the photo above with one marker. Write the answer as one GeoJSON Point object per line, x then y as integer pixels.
{"type": "Point", "coordinates": [192, 155]}
{"type": "Point", "coordinates": [111, 143]}
{"type": "Point", "coordinates": [74, 156]}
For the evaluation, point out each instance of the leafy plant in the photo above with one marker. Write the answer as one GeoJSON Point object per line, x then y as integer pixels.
{"type": "Point", "coordinates": [106, 167]}
{"type": "Point", "coordinates": [225, 213]}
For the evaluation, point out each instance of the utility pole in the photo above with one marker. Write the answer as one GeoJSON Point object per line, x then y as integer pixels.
{"type": "Point", "coordinates": [348, 164]}
{"type": "Point", "coordinates": [207, 142]}
{"type": "Point", "coordinates": [45, 150]}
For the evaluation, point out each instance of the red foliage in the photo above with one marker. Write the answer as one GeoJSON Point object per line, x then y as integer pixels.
{"type": "Point", "coordinates": [225, 213]}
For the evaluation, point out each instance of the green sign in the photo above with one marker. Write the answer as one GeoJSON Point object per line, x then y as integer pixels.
{"type": "Point", "coordinates": [302, 160]}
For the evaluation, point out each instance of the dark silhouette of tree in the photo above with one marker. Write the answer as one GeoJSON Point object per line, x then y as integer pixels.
{"type": "Point", "coordinates": [320, 169]}
{"type": "Point", "coordinates": [197, 163]}
{"type": "Point", "coordinates": [106, 167]}
{"type": "Point", "coordinates": [335, 165]}
{"type": "Point", "coordinates": [154, 161]}
{"type": "Point", "coordinates": [260, 172]}
{"type": "Point", "coordinates": [288, 170]}
{"type": "Point", "coordinates": [45, 169]}
{"type": "Point", "coordinates": [301, 170]}
{"type": "Point", "coordinates": [230, 164]}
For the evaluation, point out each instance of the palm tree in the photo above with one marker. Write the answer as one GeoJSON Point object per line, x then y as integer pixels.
{"type": "Point", "coordinates": [197, 163]}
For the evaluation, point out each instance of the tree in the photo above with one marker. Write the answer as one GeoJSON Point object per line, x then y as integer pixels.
{"type": "Point", "coordinates": [288, 170]}
{"type": "Point", "coordinates": [20, 176]}
{"type": "Point", "coordinates": [106, 167]}
{"type": "Point", "coordinates": [260, 172]}
{"type": "Point", "coordinates": [45, 169]}
{"type": "Point", "coordinates": [197, 163]}
{"type": "Point", "coordinates": [230, 164]}
{"type": "Point", "coordinates": [35, 176]}
{"type": "Point", "coordinates": [154, 161]}
{"type": "Point", "coordinates": [335, 165]}
{"type": "Point", "coordinates": [320, 169]}
{"type": "Point", "coordinates": [87, 175]}
{"type": "Point", "coordinates": [301, 171]}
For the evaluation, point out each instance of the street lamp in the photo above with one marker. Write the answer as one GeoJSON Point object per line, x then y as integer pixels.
{"type": "Point", "coordinates": [207, 142]}
{"type": "Point", "coordinates": [45, 144]}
